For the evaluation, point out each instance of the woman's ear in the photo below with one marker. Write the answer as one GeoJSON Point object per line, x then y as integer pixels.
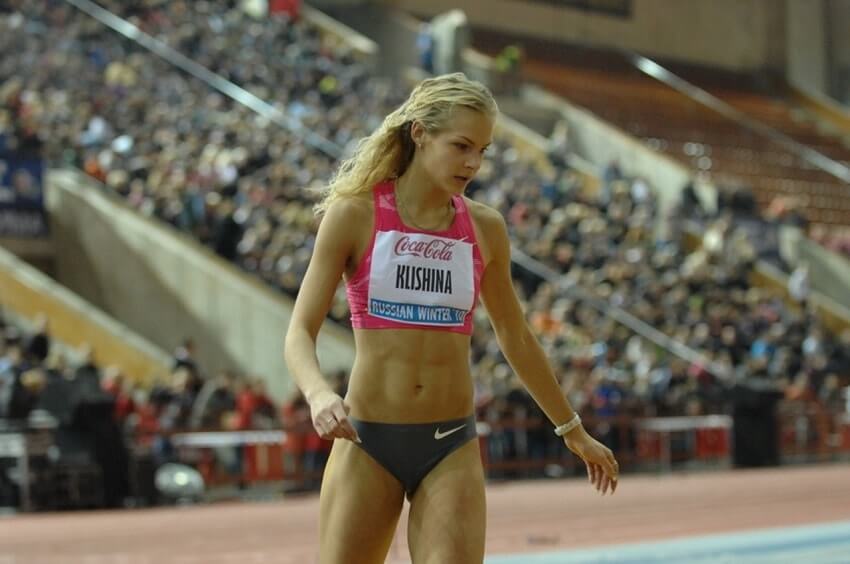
{"type": "Point", "coordinates": [417, 134]}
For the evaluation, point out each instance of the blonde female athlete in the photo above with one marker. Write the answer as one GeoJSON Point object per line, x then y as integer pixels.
{"type": "Point", "coordinates": [416, 255]}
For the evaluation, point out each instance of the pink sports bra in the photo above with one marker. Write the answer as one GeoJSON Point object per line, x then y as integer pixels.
{"type": "Point", "coordinates": [414, 279]}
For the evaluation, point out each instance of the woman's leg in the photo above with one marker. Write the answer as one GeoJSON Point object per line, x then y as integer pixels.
{"type": "Point", "coordinates": [360, 504]}
{"type": "Point", "coordinates": [448, 512]}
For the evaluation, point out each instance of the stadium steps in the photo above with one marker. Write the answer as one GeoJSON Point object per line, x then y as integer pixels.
{"type": "Point", "coordinates": [693, 134]}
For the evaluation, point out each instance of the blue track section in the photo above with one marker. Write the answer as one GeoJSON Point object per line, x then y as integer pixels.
{"type": "Point", "coordinates": [814, 544]}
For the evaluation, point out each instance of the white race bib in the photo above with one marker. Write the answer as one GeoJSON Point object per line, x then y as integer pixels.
{"type": "Point", "coordinates": [421, 279]}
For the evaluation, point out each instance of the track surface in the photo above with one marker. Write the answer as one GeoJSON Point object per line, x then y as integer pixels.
{"type": "Point", "coordinates": [524, 517]}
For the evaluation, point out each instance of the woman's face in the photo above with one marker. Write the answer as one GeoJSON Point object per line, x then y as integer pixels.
{"type": "Point", "coordinates": [452, 156]}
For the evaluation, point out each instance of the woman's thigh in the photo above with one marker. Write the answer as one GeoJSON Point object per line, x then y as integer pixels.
{"type": "Point", "coordinates": [448, 512]}
{"type": "Point", "coordinates": [360, 503]}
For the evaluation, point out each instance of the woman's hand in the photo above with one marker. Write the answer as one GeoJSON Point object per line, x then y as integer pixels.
{"type": "Point", "coordinates": [602, 468]}
{"type": "Point", "coordinates": [330, 417]}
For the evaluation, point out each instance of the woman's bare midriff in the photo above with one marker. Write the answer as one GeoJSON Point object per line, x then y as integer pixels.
{"type": "Point", "coordinates": [410, 376]}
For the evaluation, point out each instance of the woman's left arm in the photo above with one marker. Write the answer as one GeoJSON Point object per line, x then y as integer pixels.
{"type": "Point", "coordinates": [526, 356]}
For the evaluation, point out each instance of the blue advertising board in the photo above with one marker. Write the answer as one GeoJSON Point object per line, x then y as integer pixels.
{"type": "Point", "coordinates": [22, 213]}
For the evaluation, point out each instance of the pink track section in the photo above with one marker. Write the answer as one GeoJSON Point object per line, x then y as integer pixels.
{"type": "Point", "coordinates": [523, 517]}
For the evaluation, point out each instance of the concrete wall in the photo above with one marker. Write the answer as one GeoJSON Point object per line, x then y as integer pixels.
{"type": "Point", "coordinates": [834, 316]}
{"type": "Point", "coordinates": [37, 252]}
{"type": "Point", "coordinates": [732, 34]}
{"type": "Point", "coordinates": [166, 286]}
{"type": "Point", "coordinates": [392, 29]}
{"type": "Point", "coordinates": [838, 47]}
{"type": "Point", "coordinates": [28, 293]}
{"type": "Point", "coordinates": [829, 272]}
{"type": "Point", "coordinates": [362, 45]}
{"type": "Point", "coordinates": [806, 48]}
{"type": "Point", "coordinates": [600, 143]}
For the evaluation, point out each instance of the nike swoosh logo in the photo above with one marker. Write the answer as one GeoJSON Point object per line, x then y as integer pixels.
{"type": "Point", "coordinates": [438, 435]}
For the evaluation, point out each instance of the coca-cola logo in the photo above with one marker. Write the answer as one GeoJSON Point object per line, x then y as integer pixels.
{"type": "Point", "coordinates": [436, 249]}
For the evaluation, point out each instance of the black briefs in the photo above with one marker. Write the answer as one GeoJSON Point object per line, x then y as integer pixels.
{"type": "Point", "coordinates": [409, 451]}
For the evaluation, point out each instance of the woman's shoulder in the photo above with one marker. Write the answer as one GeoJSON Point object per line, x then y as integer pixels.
{"type": "Point", "coordinates": [351, 208]}
{"type": "Point", "coordinates": [490, 228]}
{"type": "Point", "coordinates": [350, 220]}
{"type": "Point", "coordinates": [485, 217]}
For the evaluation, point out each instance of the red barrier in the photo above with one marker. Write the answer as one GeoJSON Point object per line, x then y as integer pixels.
{"type": "Point", "coordinates": [648, 447]}
{"type": "Point", "coordinates": [712, 443]}
{"type": "Point", "coordinates": [263, 463]}
{"type": "Point", "coordinates": [641, 443]}
{"type": "Point", "coordinates": [845, 437]}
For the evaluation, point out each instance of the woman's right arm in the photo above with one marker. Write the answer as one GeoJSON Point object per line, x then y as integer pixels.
{"type": "Point", "coordinates": [334, 246]}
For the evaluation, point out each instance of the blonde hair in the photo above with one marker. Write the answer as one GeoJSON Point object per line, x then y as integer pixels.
{"type": "Point", "coordinates": [389, 150]}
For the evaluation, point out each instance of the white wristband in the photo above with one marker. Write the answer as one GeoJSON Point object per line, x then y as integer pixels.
{"type": "Point", "coordinates": [562, 430]}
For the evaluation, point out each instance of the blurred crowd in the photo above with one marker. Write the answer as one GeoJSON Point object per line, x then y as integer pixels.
{"type": "Point", "coordinates": [695, 291]}
{"type": "Point", "coordinates": [99, 417]}
{"type": "Point", "coordinates": [178, 150]}
{"type": "Point", "coordinates": [172, 146]}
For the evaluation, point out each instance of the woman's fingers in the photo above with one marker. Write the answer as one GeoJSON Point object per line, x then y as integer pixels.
{"type": "Point", "coordinates": [333, 423]}
{"type": "Point", "coordinates": [613, 466]}
{"type": "Point", "coordinates": [613, 471]}
{"type": "Point", "coordinates": [603, 471]}
{"type": "Point", "coordinates": [345, 429]}
{"type": "Point", "coordinates": [601, 477]}
{"type": "Point", "coordinates": [325, 425]}
{"type": "Point", "coordinates": [606, 482]}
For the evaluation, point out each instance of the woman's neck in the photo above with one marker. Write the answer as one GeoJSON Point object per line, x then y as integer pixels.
{"type": "Point", "coordinates": [420, 197]}
{"type": "Point", "coordinates": [423, 208]}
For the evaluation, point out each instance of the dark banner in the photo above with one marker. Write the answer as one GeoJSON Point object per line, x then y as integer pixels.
{"type": "Point", "coordinates": [621, 8]}
{"type": "Point", "coordinates": [22, 214]}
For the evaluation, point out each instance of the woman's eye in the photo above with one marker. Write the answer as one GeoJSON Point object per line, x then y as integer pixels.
{"type": "Point", "coordinates": [462, 146]}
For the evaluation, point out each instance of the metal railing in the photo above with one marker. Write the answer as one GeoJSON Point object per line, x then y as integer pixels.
{"type": "Point", "coordinates": [813, 157]}
{"type": "Point", "coordinates": [514, 448]}
{"type": "Point", "coordinates": [618, 314]}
